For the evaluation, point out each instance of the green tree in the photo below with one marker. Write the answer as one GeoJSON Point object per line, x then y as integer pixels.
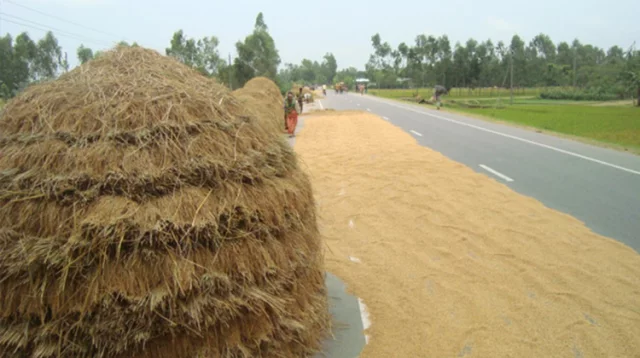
{"type": "Point", "coordinates": [226, 75]}
{"type": "Point", "coordinates": [519, 58]}
{"type": "Point", "coordinates": [201, 54]}
{"type": "Point", "coordinates": [7, 83]}
{"type": "Point", "coordinates": [84, 54]}
{"type": "Point", "coordinates": [631, 74]}
{"type": "Point", "coordinates": [444, 56]}
{"type": "Point", "coordinates": [257, 55]}
{"type": "Point", "coordinates": [308, 71]}
{"type": "Point", "coordinates": [183, 49]}
{"type": "Point", "coordinates": [64, 63]}
{"type": "Point", "coordinates": [25, 52]}
{"type": "Point", "coordinates": [330, 66]}
{"type": "Point", "coordinates": [539, 63]}
{"type": "Point", "coordinates": [615, 56]}
{"type": "Point", "coordinates": [260, 24]}
{"type": "Point", "coordinates": [403, 51]}
{"type": "Point", "coordinates": [208, 58]}
{"type": "Point", "coordinates": [48, 58]}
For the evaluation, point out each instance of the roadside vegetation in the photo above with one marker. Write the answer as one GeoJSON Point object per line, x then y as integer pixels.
{"type": "Point", "coordinates": [572, 88]}
{"type": "Point", "coordinates": [618, 125]}
{"type": "Point", "coordinates": [611, 122]}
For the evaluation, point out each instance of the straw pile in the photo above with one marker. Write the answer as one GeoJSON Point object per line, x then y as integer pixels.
{"type": "Point", "coordinates": [145, 213]}
{"type": "Point", "coordinates": [263, 96]}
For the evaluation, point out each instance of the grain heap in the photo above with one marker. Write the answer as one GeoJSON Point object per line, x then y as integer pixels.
{"type": "Point", "coordinates": [263, 96]}
{"type": "Point", "coordinates": [144, 212]}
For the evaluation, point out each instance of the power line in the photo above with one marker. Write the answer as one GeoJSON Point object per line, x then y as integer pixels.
{"type": "Point", "coordinates": [17, 18]}
{"type": "Point", "coordinates": [61, 35]}
{"type": "Point", "coordinates": [61, 19]}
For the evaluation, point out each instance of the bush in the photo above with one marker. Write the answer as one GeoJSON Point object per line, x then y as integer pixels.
{"type": "Point", "coordinates": [591, 94]}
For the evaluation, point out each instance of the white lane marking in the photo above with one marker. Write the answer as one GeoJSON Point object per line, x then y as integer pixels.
{"type": "Point", "coordinates": [368, 109]}
{"type": "Point", "coordinates": [602, 162]}
{"type": "Point", "coordinates": [321, 106]}
{"type": "Point", "coordinates": [355, 259]}
{"type": "Point", "coordinates": [364, 316]}
{"type": "Point", "coordinates": [416, 133]}
{"type": "Point", "coordinates": [385, 118]}
{"type": "Point", "coordinates": [496, 173]}
{"type": "Point", "coordinates": [358, 105]}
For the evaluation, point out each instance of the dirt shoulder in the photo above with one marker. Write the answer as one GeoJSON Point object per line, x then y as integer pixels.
{"type": "Point", "coordinates": [453, 263]}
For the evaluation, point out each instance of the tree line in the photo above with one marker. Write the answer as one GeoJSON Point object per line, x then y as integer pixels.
{"type": "Point", "coordinates": [432, 60]}
{"type": "Point", "coordinates": [25, 61]}
{"type": "Point", "coordinates": [257, 55]}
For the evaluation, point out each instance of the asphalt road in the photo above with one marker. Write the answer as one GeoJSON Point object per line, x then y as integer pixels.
{"type": "Point", "coordinates": [599, 186]}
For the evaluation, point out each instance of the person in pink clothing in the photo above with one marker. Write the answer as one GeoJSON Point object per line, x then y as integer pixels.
{"type": "Point", "coordinates": [290, 114]}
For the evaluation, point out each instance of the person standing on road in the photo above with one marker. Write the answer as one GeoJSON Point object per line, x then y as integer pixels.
{"type": "Point", "coordinates": [437, 93]}
{"type": "Point", "coordinates": [300, 99]}
{"type": "Point", "coordinates": [290, 114]}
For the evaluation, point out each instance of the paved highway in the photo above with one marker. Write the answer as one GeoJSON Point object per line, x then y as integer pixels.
{"type": "Point", "coordinates": [599, 186]}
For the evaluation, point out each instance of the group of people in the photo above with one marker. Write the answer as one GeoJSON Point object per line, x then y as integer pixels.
{"type": "Point", "coordinates": [291, 112]}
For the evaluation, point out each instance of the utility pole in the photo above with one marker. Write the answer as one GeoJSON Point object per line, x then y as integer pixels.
{"type": "Point", "coordinates": [229, 73]}
{"type": "Point", "coordinates": [511, 70]}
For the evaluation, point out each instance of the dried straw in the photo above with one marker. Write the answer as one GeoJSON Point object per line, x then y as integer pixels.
{"type": "Point", "coordinates": [263, 95]}
{"type": "Point", "coordinates": [147, 212]}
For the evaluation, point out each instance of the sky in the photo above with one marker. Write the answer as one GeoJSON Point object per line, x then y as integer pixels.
{"type": "Point", "coordinates": [311, 29]}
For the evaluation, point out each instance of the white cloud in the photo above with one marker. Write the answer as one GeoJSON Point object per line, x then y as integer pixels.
{"type": "Point", "coordinates": [500, 24]}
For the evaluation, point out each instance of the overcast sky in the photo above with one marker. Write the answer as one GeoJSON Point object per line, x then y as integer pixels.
{"type": "Point", "coordinates": [309, 29]}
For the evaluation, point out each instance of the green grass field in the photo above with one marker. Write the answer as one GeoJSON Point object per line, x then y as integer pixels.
{"type": "Point", "coordinates": [617, 124]}
{"type": "Point", "coordinates": [614, 124]}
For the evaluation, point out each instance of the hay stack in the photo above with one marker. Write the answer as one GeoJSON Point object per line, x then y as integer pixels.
{"type": "Point", "coordinates": [145, 213]}
{"type": "Point", "coordinates": [263, 96]}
